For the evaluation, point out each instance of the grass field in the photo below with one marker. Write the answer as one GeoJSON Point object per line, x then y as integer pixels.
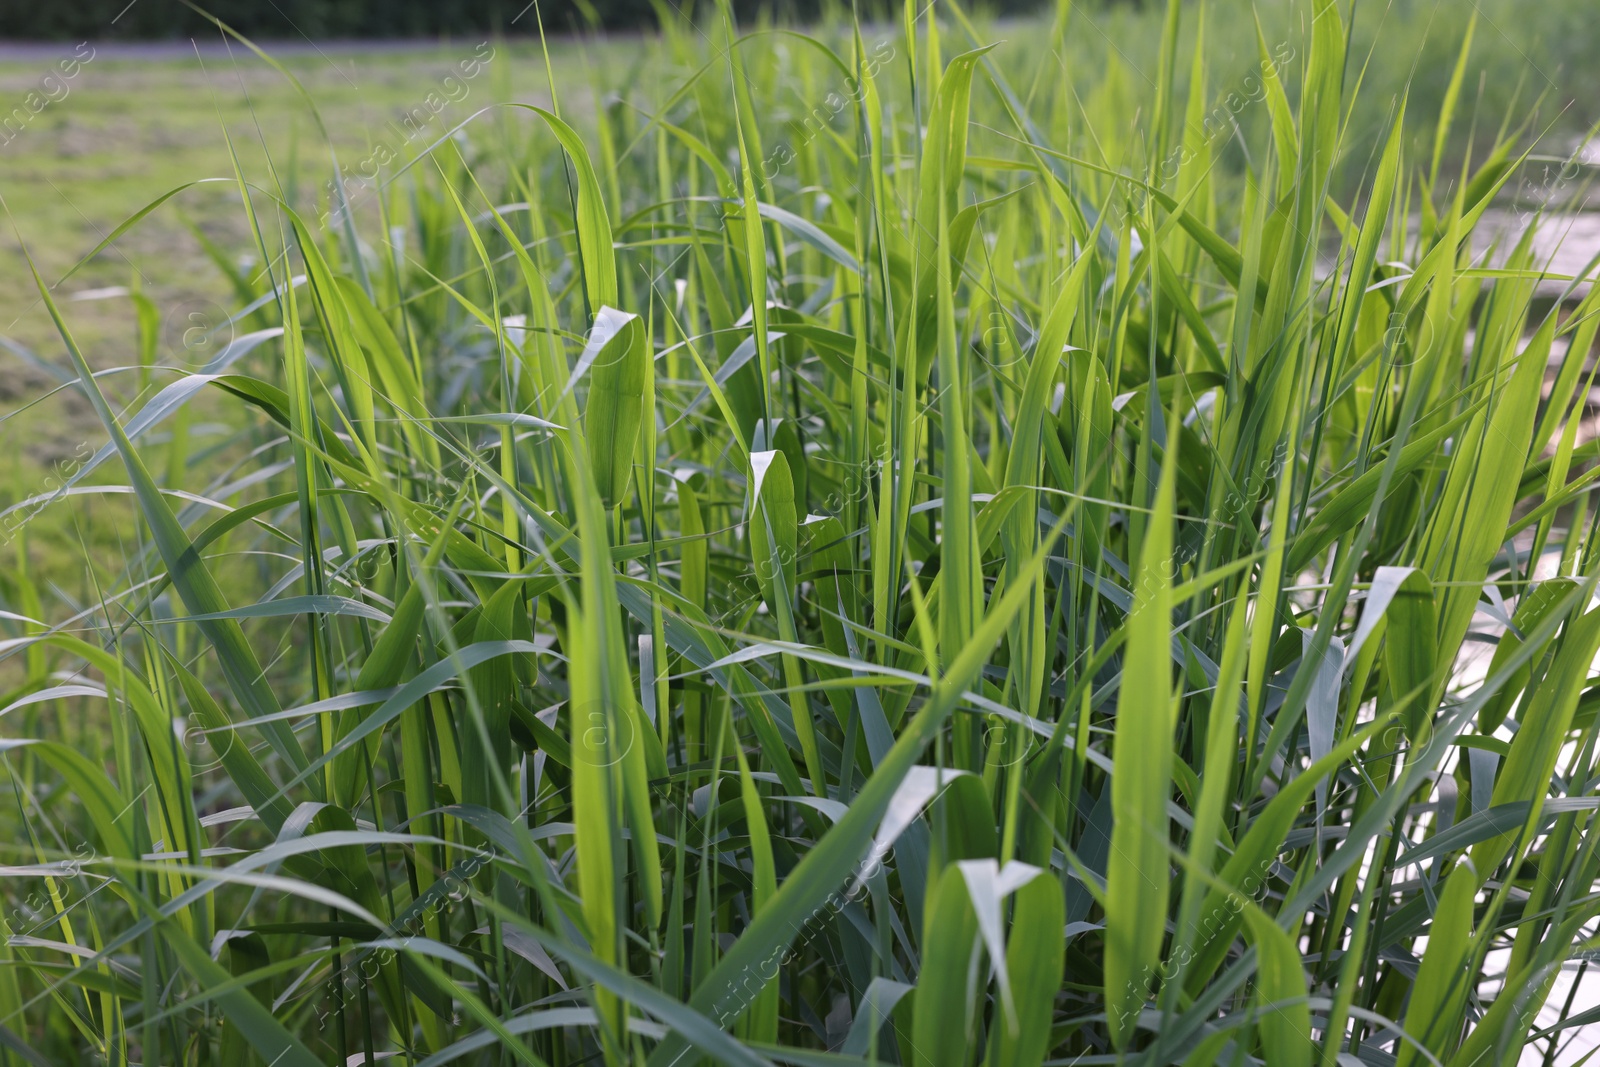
{"type": "Point", "coordinates": [828, 547]}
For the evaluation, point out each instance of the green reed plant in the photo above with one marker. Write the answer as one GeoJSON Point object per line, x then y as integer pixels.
{"type": "Point", "coordinates": [834, 548]}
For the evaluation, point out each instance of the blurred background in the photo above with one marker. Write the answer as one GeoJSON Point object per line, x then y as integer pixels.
{"type": "Point", "coordinates": [363, 18]}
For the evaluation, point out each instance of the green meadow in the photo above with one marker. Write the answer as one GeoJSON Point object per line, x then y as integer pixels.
{"type": "Point", "coordinates": [926, 539]}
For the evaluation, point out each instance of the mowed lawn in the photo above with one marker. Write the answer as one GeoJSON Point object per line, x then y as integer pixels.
{"type": "Point", "coordinates": [136, 121]}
